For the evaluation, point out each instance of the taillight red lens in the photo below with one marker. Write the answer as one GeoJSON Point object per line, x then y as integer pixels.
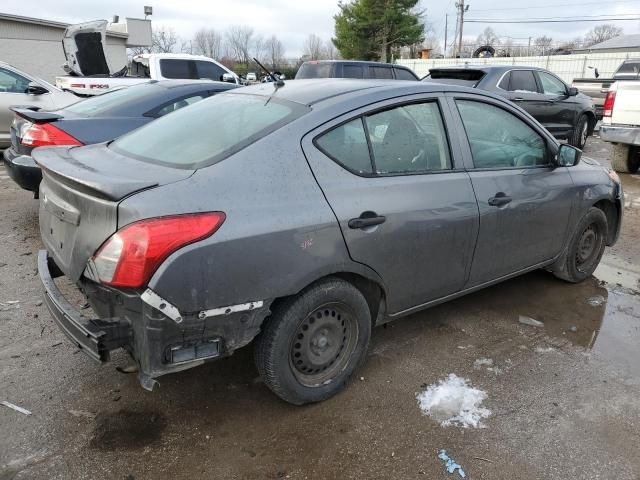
{"type": "Point", "coordinates": [608, 104]}
{"type": "Point", "coordinates": [131, 255]}
{"type": "Point", "coordinates": [45, 134]}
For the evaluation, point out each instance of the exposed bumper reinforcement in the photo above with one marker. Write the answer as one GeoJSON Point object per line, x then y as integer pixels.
{"type": "Point", "coordinates": [94, 337]}
{"type": "Point", "coordinates": [620, 134]}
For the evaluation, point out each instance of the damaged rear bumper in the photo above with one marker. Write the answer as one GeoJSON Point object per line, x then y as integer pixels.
{"type": "Point", "coordinates": [94, 337]}
{"type": "Point", "coordinates": [160, 339]}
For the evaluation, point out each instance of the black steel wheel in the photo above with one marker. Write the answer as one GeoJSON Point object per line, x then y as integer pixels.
{"type": "Point", "coordinates": [585, 248]}
{"type": "Point", "coordinates": [313, 342]}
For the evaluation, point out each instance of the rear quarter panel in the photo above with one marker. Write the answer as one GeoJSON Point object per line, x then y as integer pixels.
{"type": "Point", "coordinates": [279, 234]}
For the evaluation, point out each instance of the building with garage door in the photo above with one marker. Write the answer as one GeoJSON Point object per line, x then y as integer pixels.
{"type": "Point", "coordinates": [34, 45]}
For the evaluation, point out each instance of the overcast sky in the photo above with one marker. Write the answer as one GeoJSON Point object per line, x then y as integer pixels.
{"type": "Point", "coordinates": [293, 20]}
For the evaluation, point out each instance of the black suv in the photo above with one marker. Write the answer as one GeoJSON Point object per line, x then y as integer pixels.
{"type": "Point", "coordinates": [565, 112]}
{"type": "Point", "coordinates": [354, 69]}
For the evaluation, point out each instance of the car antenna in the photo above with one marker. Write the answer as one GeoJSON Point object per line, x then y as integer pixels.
{"type": "Point", "coordinates": [277, 81]}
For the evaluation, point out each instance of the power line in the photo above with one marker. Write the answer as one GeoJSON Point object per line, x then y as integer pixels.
{"type": "Point", "coordinates": [552, 6]}
{"type": "Point", "coordinates": [550, 20]}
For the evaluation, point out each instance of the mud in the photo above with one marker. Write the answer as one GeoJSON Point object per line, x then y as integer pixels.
{"type": "Point", "coordinates": [563, 397]}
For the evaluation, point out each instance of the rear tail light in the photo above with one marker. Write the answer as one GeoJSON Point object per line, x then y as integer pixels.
{"type": "Point", "coordinates": [132, 254]}
{"type": "Point", "coordinates": [608, 103]}
{"type": "Point", "coordinates": [45, 134]}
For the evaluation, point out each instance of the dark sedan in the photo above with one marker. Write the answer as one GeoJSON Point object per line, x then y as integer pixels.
{"type": "Point", "coordinates": [566, 113]}
{"type": "Point", "coordinates": [95, 120]}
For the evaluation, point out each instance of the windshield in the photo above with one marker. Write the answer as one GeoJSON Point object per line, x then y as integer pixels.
{"type": "Point", "coordinates": [95, 106]}
{"type": "Point", "coordinates": [208, 131]}
{"type": "Point", "coordinates": [314, 70]}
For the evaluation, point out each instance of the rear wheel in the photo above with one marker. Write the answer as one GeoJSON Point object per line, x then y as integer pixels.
{"type": "Point", "coordinates": [625, 159]}
{"type": "Point", "coordinates": [580, 133]}
{"type": "Point", "coordinates": [312, 343]}
{"type": "Point", "coordinates": [586, 247]}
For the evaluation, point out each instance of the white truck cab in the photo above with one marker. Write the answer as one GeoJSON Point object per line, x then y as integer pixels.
{"type": "Point", "coordinates": [91, 73]}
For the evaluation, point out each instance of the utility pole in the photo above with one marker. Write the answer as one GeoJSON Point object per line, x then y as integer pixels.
{"type": "Point", "coordinates": [446, 26]}
{"type": "Point", "coordinates": [461, 9]}
{"type": "Point", "coordinates": [529, 48]}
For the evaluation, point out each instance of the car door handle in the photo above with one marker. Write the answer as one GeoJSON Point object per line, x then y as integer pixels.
{"type": "Point", "coordinates": [366, 219]}
{"type": "Point", "coordinates": [518, 99]}
{"type": "Point", "coordinates": [499, 199]}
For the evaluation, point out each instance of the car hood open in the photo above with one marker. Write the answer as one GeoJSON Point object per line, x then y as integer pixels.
{"type": "Point", "coordinates": [84, 49]}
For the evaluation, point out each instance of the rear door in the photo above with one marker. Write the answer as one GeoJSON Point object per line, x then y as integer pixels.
{"type": "Point", "coordinates": [524, 201]}
{"type": "Point", "coordinates": [521, 87]}
{"type": "Point", "coordinates": [403, 201]}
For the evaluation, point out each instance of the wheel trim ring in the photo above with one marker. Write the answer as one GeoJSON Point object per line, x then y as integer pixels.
{"type": "Point", "coordinates": [324, 372]}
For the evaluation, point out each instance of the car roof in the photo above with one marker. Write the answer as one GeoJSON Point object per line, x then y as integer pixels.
{"type": "Point", "coordinates": [314, 91]}
{"type": "Point", "coordinates": [367, 62]}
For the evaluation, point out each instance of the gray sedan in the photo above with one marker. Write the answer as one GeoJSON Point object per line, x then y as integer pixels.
{"type": "Point", "coordinates": [299, 217]}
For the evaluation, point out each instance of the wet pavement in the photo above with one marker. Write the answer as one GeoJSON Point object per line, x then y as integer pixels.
{"type": "Point", "coordinates": [564, 396]}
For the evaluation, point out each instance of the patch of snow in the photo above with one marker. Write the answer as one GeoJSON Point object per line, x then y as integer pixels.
{"type": "Point", "coordinates": [454, 402]}
{"type": "Point", "coordinates": [530, 321]}
{"type": "Point", "coordinates": [596, 301]}
{"type": "Point", "coordinates": [545, 349]}
{"type": "Point", "coordinates": [482, 362]}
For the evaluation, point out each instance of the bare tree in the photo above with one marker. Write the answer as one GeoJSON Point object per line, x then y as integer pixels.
{"type": "Point", "coordinates": [329, 51]}
{"type": "Point", "coordinates": [312, 47]}
{"type": "Point", "coordinates": [208, 42]}
{"type": "Point", "coordinates": [238, 42]}
{"type": "Point", "coordinates": [542, 45]}
{"type": "Point", "coordinates": [275, 51]}
{"type": "Point", "coordinates": [164, 39]}
{"type": "Point", "coordinates": [601, 33]}
{"type": "Point", "coordinates": [488, 37]}
{"type": "Point", "coordinates": [260, 49]}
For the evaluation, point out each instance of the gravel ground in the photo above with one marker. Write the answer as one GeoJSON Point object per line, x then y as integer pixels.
{"type": "Point", "coordinates": [563, 396]}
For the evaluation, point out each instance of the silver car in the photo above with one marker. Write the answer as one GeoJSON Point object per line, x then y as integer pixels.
{"type": "Point", "coordinates": [19, 88]}
{"type": "Point", "coordinates": [300, 216]}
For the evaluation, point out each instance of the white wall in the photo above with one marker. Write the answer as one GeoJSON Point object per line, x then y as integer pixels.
{"type": "Point", "coordinates": [566, 67]}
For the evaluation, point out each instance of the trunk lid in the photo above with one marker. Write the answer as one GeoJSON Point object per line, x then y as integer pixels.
{"type": "Point", "coordinates": [79, 196]}
{"type": "Point", "coordinates": [84, 48]}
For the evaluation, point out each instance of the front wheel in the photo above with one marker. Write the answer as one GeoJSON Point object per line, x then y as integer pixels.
{"type": "Point", "coordinates": [580, 133]}
{"type": "Point", "coordinates": [586, 247]}
{"type": "Point", "coordinates": [313, 342]}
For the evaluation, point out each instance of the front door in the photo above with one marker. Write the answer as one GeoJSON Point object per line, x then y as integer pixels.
{"type": "Point", "coordinates": [403, 201]}
{"type": "Point", "coordinates": [524, 201]}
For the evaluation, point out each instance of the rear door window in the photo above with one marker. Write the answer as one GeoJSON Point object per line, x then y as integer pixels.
{"type": "Point", "coordinates": [380, 72]}
{"type": "Point", "coordinates": [499, 139]}
{"type": "Point", "coordinates": [209, 70]}
{"type": "Point", "coordinates": [403, 74]}
{"type": "Point", "coordinates": [523, 81]}
{"type": "Point", "coordinates": [175, 68]}
{"type": "Point", "coordinates": [352, 71]}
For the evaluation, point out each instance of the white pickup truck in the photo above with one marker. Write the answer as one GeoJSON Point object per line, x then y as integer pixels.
{"type": "Point", "coordinates": [91, 73]}
{"type": "Point", "coordinates": [621, 125]}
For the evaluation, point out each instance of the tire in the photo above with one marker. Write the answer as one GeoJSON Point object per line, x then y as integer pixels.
{"type": "Point", "coordinates": [625, 159]}
{"type": "Point", "coordinates": [580, 133]}
{"type": "Point", "coordinates": [312, 343]}
{"type": "Point", "coordinates": [585, 248]}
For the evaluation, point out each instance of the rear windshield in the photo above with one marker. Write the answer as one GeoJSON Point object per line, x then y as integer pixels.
{"type": "Point", "coordinates": [628, 69]}
{"type": "Point", "coordinates": [466, 77]}
{"type": "Point", "coordinates": [208, 131]}
{"type": "Point", "coordinates": [95, 106]}
{"type": "Point", "coordinates": [314, 70]}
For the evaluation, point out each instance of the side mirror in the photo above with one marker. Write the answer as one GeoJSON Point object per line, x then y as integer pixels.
{"type": "Point", "coordinates": [573, 91]}
{"type": "Point", "coordinates": [568, 156]}
{"type": "Point", "coordinates": [35, 89]}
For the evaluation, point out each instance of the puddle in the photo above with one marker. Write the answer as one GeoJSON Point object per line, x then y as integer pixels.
{"type": "Point", "coordinates": [127, 429]}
